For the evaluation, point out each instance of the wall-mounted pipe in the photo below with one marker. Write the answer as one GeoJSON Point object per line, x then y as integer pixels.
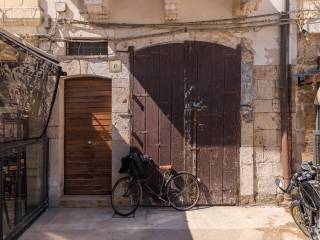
{"type": "Point", "coordinates": [285, 95]}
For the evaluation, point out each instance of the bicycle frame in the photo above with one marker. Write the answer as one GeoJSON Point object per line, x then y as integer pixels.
{"type": "Point", "coordinates": [164, 185]}
{"type": "Point", "coordinates": [308, 210]}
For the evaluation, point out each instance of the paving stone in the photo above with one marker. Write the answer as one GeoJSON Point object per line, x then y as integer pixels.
{"type": "Point", "coordinates": [215, 223]}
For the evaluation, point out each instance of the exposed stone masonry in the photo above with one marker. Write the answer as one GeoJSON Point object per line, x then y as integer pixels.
{"type": "Point", "coordinates": [267, 133]}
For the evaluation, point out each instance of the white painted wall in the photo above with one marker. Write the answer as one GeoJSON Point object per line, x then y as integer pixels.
{"type": "Point", "coordinates": [279, 5]}
{"type": "Point", "coordinates": [141, 11]}
{"type": "Point", "coordinates": [265, 43]}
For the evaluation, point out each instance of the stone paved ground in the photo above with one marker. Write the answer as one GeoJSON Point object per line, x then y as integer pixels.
{"type": "Point", "coordinates": [234, 223]}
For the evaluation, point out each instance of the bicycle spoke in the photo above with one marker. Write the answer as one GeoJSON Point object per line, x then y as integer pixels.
{"type": "Point", "coordinates": [125, 196]}
{"type": "Point", "coordinates": [180, 193]}
{"type": "Point", "coordinates": [183, 191]}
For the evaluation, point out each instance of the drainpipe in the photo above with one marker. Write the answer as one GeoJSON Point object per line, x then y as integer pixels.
{"type": "Point", "coordinates": [285, 94]}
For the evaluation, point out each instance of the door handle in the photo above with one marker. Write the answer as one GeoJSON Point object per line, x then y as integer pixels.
{"type": "Point", "coordinates": [89, 142]}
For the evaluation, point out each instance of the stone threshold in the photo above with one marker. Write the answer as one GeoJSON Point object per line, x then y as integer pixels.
{"type": "Point", "coordinates": [85, 201]}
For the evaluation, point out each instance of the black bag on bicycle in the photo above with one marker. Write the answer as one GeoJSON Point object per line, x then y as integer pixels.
{"type": "Point", "coordinates": [134, 165]}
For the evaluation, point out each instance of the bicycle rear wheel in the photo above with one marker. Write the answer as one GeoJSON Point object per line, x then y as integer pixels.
{"type": "Point", "coordinates": [183, 191]}
{"type": "Point", "coordinates": [126, 195]}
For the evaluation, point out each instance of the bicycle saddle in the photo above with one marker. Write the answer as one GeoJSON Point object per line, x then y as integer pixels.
{"type": "Point", "coordinates": [165, 167]}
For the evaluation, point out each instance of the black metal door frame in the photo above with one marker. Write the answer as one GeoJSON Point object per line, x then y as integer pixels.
{"type": "Point", "coordinates": [17, 148]}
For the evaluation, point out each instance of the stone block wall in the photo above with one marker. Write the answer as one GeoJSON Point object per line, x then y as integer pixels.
{"type": "Point", "coordinates": [120, 117]}
{"type": "Point", "coordinates": [303, 117]}
{"type": "Point", "coordinates": [260, 107]}
{"type": "Point", "coordinates": [260, 112]}
{"type": "Point", "coordinates": [55, 134]}
{"type": "Point", "coordinates": [267, 131]}
{"type": "Point", "coordinates": [302, 104]}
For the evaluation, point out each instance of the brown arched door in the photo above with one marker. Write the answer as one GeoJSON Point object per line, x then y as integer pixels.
{"type": "Point", "coordinates": [186, 112]}
{"type": "Point", "coordinates": [88, 136]}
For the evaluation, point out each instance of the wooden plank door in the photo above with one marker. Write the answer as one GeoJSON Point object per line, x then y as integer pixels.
{"type": "Point", "coordinates": [186, 112]}
{"type": "Point", "coordinates": [88, 136]}
{"type": "Point", "coordinates": [216, 90]}
{"type": "Point", "coordinates": [232, 126]}
{"type": "Point", "coordinates": [158, 104]}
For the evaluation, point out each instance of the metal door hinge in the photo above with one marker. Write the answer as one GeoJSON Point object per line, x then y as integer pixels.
{"type": "Point", "coordinates": [126, 115]}
{"type": "Point", "coordinates": [194, 149]}
{"type": "Point", "coordinates": [142, 132]}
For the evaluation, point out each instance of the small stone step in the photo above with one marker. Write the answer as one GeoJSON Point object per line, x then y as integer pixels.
{"type": "Point", "coordinates": [85, 201]}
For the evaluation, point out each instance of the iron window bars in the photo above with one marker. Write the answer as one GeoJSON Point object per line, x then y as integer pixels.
{"type": "Point", "coordinates": [87, 48]}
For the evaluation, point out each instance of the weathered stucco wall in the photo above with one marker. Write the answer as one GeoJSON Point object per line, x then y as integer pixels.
{"type": "Point", "coordinates": [260, 111]}
{"type": "Point", "coordinates": [260, 151]}
{"type": "Point", "coordinates": [124, 11]}
{"type": "Point", "coordinates": [260, 124]}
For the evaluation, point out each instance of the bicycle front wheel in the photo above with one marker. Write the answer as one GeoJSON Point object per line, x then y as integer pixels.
{"type": "Point", "coordinates": [183, 191]}
{"type": "Point", "coordinates": [300, 220]}
{"type": "Point", "coordinates": [126, 195]}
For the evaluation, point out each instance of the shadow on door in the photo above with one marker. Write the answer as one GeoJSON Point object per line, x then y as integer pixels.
{"type": "Point", "coordinates": [186, 112]}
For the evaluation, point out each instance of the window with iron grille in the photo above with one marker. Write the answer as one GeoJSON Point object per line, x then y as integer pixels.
{"type": "Point", "coordinates": [82, 48]}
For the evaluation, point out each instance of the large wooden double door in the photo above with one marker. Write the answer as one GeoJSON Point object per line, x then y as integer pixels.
{"type": "Point", "coordinates": [186, 112]}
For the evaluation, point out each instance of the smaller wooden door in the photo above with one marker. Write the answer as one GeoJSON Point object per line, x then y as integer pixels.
{"type": "Point", "coordinates": [88, 136]}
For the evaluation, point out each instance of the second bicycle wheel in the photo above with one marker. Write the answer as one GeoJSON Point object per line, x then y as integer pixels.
{"type": "Point", "coordinates": [183, 191]}
{"type": "Point", "coordinates": [300, 220]}
{"type": "Point", "coordinates": [126, 195]}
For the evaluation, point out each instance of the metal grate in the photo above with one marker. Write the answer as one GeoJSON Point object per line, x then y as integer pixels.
{"type": "Point", "coordinates": [79, 48]}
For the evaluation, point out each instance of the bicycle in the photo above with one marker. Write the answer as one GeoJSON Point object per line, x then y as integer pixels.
{"type": "Point", "coordinates": [178, 189]}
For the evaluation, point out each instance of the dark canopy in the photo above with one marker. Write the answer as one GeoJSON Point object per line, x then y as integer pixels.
{"type": "Point", "coordinates": [28, 83]}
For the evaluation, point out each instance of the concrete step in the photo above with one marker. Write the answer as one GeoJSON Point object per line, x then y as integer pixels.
{"type": "Point", "coordinates": [85, 201]}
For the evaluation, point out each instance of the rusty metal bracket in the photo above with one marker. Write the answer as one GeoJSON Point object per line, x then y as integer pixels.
{"type": "Point", "coordinates": [126, 115]}
{"type": "Point", "coordinates": [194, 149]}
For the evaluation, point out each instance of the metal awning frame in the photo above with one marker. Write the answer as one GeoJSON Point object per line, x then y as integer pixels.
{"type": "Point", "coordinates": [27, 48]}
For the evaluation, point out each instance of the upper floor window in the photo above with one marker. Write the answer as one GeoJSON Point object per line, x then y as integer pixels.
{"type": "Point", "coordinates": [86, 48]}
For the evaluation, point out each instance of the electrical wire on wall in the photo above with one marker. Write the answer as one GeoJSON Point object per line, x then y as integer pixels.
{"type": "Point", "coordinates": [251, 22]}
{"type": "Point", "coordinates": [244, 23]}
